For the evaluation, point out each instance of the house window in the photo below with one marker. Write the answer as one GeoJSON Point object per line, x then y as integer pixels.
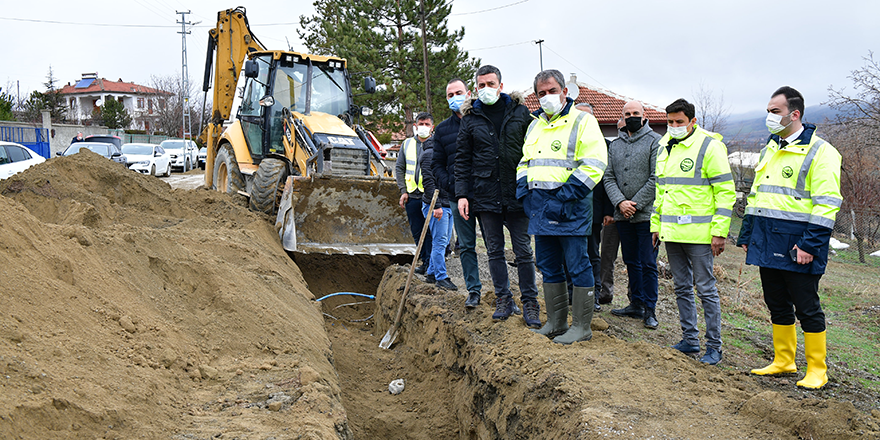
{"type": "Point", "coordinates": [150, 106]}
{"type": "Point", "coordinates": [140, 103]}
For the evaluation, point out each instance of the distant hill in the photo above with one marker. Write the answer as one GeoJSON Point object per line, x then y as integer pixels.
{"type": "Point", "coordinates": [748, 131]}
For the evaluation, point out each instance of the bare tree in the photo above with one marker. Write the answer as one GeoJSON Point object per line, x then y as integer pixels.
{"type": "Point", "coordinates": [712, 112]}
{"type": "Point", "coordinates": [170, 109]}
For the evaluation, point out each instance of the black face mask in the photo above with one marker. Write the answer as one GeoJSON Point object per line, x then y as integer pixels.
{"type": "Point", "coordinates": [633, 123]}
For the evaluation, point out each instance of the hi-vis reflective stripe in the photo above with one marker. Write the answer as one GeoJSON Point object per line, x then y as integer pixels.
{"type": "Point", "coordinates": [698, 167]}
{"type": "Point", "coordinates": [573, 136]}
{"type": "Point", "coordinates": [723, 212]}
{"type": "Point", "coordinates": [776, 189]}
{"type": "Point", "coordinates": [827, 200]}
{"type": "Point", "coordinates": [694, 219]}
{"type": "Point", "coordinates": [805, 217]}
{"type": "Point", "coordinates": [808, 163]}
{"type": "Point", "coordinates": [411, 164]}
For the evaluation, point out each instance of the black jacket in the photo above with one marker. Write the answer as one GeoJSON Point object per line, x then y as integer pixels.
{"type": "Point", "coordinates": [428, 180]}
{"type": "Point", "coordinates": [490, 158]}
{"type": "Point", "coordinates": [443, 165]}
{"type": "Point", "coordinates": [601, 204]}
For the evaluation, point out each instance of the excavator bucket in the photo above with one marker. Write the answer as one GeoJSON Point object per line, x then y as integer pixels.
{"type": "Point", "coordinates": [343, 215]}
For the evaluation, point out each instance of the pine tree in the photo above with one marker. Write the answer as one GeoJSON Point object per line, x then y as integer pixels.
{"type": "Point", "coordinates": [114, 115]}
{"type": "Point", "coordinates": [384, 38]}
{"type": "Point", "coordinates": [7, 101]}
{"type": "Point", "coordinates": [50, 100]}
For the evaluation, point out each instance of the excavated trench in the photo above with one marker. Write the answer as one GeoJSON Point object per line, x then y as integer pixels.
{"type": "Point", "coordinates": [467, 377]}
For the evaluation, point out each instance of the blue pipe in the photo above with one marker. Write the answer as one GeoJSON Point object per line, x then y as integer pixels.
{"type": "Point", "coordinates": [345, 293]}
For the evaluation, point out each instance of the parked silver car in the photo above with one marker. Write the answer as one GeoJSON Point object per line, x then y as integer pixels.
{"type": "Point", "coordinates": [184, 153]}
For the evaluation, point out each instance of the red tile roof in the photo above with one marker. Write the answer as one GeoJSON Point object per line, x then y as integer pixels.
{"type": "Point", "coordinates": [106, 86]}
{"type": "Point", "coordinates": [607, 106]}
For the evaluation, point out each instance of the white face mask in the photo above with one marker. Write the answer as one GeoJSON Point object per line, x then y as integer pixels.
{"type": "Point", "coordinates": [488, 95]}
{"type": "Point", "coordinates": [677, 132]}
{"type": "Point", "coordinates": [423, 131]}
{"type": "Point", "coordinates": [774, 123]}
{"type": "Point", "coordinates": [551, 104]}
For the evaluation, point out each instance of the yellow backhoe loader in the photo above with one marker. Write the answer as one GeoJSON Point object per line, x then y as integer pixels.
{"type": "Point", "coordinates": [295, 147]}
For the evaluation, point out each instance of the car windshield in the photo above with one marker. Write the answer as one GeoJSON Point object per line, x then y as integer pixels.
{"type": "Point", "coordinates": [137, 149]}
{"type": "Point", "coordinates": [172, 145]}
{"type": "Point", "coordinates": [102, 149]}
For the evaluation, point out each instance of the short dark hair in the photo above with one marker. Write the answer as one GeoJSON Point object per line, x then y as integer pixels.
{"type": "Point", "coordinates": [457, 79]}
{"type": "Point", "coordinates": [794, 99]}
{"type": "Point", "coordinates": [547, 75]}
{"type": "Point", "coordinates": [584, 104]}
{"type": "Point", "coordinates": [487, 69]}
{"type": "Point", "coordinates": [681, 105]}
{"type": "Point", "coordinates": [424, 115]}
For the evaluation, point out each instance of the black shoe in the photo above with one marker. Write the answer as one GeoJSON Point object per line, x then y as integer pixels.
{"type": "Point", "coordinates": [597, 308]}
{"type": "Point", "coordinates": [473, 300]}
{"type": "Point", "coordinates": [503, 309]}
{"type": "Point", "coordinates": [650, 319]}
{"type": "Point", "coordinates": [421, 269]}
{"type": "Point", "coordinates": [633, 310]}
{"type": "Point", "coordinates": [430, 279]}
{"type": "Point", "coordinates": [532, 314]}
{"type": "Point", "coordinates": [447, 284]}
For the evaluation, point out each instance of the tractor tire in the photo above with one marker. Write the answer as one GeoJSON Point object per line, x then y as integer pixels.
{"type": "Point", "coordinates": [227, 176]}
{"type": "Point", "coordinates": [267, 186]}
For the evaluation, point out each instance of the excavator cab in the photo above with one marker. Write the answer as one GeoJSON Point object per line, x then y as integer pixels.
{"type": "Point", "coordinates": [295, 148]}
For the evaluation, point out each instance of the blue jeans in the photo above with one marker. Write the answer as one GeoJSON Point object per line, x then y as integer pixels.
{"type": "Point", "coordinates": [439, 240]}
{"type": "Point", "coordinates": [554, 250]}
{"type": "Point", "coordinates": [493, 233]}
{"type": "Point", "coordinates": [641, 260]}
{"type": "Point", "coordinates": [416, 221]}
{"type": "Point", "coordinates": [467, 242]}
{"type": "Point", "coordinates": [692, 264]}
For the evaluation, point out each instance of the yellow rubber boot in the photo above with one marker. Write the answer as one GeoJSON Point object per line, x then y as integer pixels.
{"type": "Point", "coordinates": [784, 346]}
{"type": "Point", "coordinates": [814, 351]}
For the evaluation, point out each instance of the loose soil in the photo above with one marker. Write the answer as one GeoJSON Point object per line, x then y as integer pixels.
{"type": "Point", "coordinates": [133, 310]}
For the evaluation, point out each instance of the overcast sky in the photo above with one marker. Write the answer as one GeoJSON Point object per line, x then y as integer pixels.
{"type": "Point", "coordinates": [650, 50]}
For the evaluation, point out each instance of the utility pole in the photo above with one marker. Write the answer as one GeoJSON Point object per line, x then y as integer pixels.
{"type": "Point", "coordinates": [540, 53]}
{"type": "Point", "coordinates": [184, 87]}
{"type": "Point", "coordinates": [425, 57]}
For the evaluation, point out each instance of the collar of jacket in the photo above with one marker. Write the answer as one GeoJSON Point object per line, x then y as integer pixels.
{"type": "Point", "coordinates": [473, 103]}
{"type": "Point", "coordinates": [540, 111]}
{"type": "Point", "coordinates": [803, 139]}
{"type": "Point", "coordinates": [503, 99]}
{"type": "Point", "coordinates": [625, 136]}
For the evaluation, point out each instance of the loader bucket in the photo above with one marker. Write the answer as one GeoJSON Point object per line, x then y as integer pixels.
{"type": "Point", "coordinates": [343, 215]}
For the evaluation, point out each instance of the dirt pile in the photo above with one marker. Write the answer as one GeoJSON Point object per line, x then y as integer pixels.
{"type": "Point", "coordinates": [134, 310]}
{"type": "Point", "coordinates": [503, 381]}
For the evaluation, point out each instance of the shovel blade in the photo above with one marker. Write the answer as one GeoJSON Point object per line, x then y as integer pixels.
{"type": "Point", "coordinates": [389, 338]}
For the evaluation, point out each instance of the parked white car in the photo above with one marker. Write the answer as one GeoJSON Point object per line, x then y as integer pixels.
{"type": "Point", "coordinates": [184, 153]}
{"type": "Point", "coordinates": [203, 157]}
{"type": "Point", "coordinates": [149, 159]}
{"type": "Point", "coordinates": [15, 158]}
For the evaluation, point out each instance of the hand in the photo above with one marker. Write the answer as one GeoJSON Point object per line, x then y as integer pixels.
{"type": "Point", "coordinates": [607, 220]}
{"type": "Point", "coordinates": [438, 213]}
{"type": "Point", "coordinates": [746, 248]}
{"type": "Point", "coordinates": [627, 208]}
{"type": "Point", "coordinates": [403, 199]}
{"type": "Point", "coordinates": [802, 256]}
{"type": "Point", "coordinates": [463, 208]}
{"type": "Point", "coordinates": [717, 245]}
{"type": "Point", "coordinates": [655, 238]}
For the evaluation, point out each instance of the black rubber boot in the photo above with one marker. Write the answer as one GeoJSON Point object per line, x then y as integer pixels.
{"type": "Point", "coordinates": [556, 303]}
{"type": "Point", "coordinates": [581, 317]}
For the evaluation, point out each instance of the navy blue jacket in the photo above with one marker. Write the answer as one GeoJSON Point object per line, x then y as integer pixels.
{"type": "Point", "coordinates": [443, 165]}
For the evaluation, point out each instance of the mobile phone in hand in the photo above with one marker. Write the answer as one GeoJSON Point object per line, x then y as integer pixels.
{"type": "Point", "coordinates": [793, 254]}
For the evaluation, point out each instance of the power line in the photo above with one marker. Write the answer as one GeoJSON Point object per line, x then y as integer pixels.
{"type": "Point", "coordinates": [73, 23]}
{"type": "Point", "coordinates": [490, 9]}
{"type": "Point", "coordinates": [576, 67]}
{"type": "Point", "coordinates": [496, 47]}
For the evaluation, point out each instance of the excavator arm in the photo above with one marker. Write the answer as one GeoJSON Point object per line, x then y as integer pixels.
{"type": "Point", "coordinates": [229, 43]}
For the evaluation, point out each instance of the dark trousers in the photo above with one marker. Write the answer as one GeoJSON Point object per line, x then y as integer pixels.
{"type": "Point", "coordinates": [493, 233]}
{"type": "Point", "coordinates": [560, 254]}
{"type": "Point", "coordinates": [416, 222]}
{"type": "Point", "coordinates": [640, 257]}
{"type": "Point", "coordinates": [593, 242]}
{"type": "Point", "coordinates": [789, 294]}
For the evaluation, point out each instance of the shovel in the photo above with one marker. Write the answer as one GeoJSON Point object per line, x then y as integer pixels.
{"type": "Point", "coordinates": [392, 332]}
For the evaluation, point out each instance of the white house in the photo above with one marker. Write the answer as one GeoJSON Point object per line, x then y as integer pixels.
{"type": "Point", "coordinates": [90, 92]}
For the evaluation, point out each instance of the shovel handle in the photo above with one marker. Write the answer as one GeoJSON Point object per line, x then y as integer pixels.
{"type": "Point", "coordinates": [412, 267]}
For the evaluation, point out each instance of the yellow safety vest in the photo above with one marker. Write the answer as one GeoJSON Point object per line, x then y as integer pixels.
{"type": "Point", "coordinates": [695, 189]}
{"type": "Point", "coordinates": [570, 144]}
{"type": "Point", "coordinates": [413, 176]}
{"type": "Point", "coordinates": [788, 186]}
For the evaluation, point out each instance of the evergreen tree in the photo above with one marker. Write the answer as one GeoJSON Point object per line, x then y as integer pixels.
{"type": "Point", "coordinates": [51, 100]}
{"type": "Point", "coordinates": [384, 38]}
{"type": "Point", "coordinates": [6, 104]}
{"type": "Point", "coordinates": [114, 115]}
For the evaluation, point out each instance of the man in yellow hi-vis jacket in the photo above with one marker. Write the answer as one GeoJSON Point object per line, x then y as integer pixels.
{"type": "Point", "coordinates": [789, 218]}
{"type": "Point", "coordinates": [692, 209]}
{"type": "Point", "coordinates": [564, 157]}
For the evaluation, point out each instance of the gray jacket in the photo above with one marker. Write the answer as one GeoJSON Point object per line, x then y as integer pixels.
{"type": "Point", "coordinates": [631, 173]}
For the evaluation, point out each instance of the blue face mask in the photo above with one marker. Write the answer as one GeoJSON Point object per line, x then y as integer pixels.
{"type": "Point", "coordinates": [456, 101]}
